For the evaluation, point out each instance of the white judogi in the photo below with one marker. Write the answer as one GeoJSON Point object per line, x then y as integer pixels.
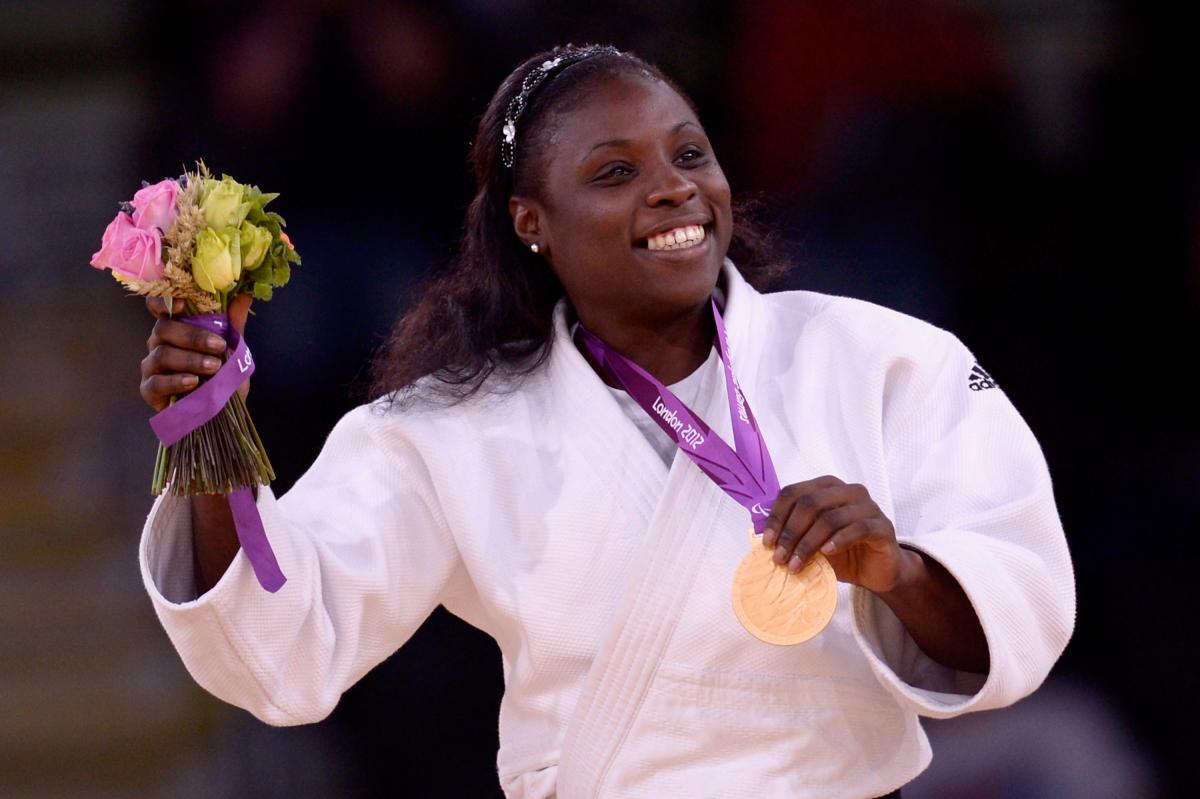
{"type": "Point", "coordinates": [545, 518]}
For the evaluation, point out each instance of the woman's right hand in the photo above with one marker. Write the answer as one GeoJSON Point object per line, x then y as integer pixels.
{"type": "Point", "coordinates": [180, 354]}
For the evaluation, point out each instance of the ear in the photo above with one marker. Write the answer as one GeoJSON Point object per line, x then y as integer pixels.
{"type": "Point", "coordinates": [527, 219]}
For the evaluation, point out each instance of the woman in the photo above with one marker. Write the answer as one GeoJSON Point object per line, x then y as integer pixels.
{"type": "Point", "coordinates": [504, 473]}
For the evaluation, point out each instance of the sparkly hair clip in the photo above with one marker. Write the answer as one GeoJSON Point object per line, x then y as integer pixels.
{"type": "Point", "coordinates": [536, 77]}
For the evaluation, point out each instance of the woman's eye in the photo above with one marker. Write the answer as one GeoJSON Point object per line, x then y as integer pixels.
{"type": "Point", "coordinates": [614, 172]}
{"type": "Point", "coordinates": [691, 155]}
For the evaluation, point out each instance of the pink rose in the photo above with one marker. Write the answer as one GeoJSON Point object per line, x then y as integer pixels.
{"type": "Point", "coordinates": [110, 243]}
{"type": "Point", "coordinates": [154, 206]}
{"type": "Point", "coordinates": [130, 251]}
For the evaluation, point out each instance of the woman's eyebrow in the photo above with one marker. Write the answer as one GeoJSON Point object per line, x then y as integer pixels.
{"type": "Point", "coordinates": [678, 126]}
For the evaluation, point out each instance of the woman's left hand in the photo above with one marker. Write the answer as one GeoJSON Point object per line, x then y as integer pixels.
{"type": "Point", "coordinates": [841, 521]}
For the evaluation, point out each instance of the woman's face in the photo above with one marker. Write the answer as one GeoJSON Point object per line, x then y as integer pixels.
{"type": "Point", "coordinates": [629, 164]}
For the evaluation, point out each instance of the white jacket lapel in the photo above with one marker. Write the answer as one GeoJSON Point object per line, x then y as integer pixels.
{"type": "Point", "coordinates": [679, 514]}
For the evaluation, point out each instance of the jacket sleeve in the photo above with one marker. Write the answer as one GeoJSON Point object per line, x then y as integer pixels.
{"type": "Point", "coordinates": [971, 489]}
{"type": "Point", "coordinates": [367, 556]}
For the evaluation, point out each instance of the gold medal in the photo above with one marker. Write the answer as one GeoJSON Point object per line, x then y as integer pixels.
{"type": "Point", "coordinates": [777, 606]}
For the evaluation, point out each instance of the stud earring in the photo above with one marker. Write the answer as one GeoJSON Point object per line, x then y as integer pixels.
{"type": "Point", "coordinates": [533, 247]}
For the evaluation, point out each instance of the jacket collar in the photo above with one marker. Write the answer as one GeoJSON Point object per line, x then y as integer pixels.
{"type": "Point", "coordinates": [598, 418]}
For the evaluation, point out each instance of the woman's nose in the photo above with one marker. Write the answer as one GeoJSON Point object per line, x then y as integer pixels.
{"type": "Point", "coordinates": [671, 186]}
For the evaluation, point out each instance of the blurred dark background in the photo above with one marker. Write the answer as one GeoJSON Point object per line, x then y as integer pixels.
{"type": "Point", "coordinates": [1021, 172]}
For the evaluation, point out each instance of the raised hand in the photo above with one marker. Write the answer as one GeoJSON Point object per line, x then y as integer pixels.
{"type": "Point", "coordinates": [180, 354]}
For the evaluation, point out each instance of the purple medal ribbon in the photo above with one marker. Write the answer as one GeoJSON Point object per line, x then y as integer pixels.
{"type": "Point", "coordinates": [746, 473]}
{"type": "Point", "coordinates": [195, 409]}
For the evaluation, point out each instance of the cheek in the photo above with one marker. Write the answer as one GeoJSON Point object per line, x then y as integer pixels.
{"type": "Point", "coordinates": [720, 197]}
{"type": "Point", "coordinates": [595, 232]}
{"type": "Point", "coordinates": [718, 189]}
{"type": "Point", "coordinates": [585, 250]}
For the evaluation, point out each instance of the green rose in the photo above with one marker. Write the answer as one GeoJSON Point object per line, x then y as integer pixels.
{"type": "Point", "coordinates": [221, 202]}
{"type": "Point", "coordinates": [217, 263]}
{"type": "Point", "coordinates": [255, 243]}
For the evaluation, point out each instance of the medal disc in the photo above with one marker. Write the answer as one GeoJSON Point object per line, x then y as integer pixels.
{"type": "Point", "coordinates": [779, 607]}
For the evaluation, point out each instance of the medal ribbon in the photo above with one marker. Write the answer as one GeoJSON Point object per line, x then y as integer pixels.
{"type": "Point", "coordinates": [746, 473]}
{"type": "Point", "coordinates": [200, 406]}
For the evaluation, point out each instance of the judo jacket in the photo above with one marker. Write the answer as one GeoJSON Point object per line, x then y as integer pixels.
{"type": "Point", "coordinates": [545, 518]}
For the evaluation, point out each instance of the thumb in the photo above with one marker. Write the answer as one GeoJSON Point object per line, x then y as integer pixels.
{"type": "Point", "coordinates": [159, 310]}
{"type": "Point", "coordinates": [239, 309]}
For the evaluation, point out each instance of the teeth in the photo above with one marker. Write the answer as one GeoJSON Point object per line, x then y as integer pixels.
{"type": "Point", "coordinates": [677, 239]}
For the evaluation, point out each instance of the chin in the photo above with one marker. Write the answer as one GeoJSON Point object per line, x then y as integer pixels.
{"type": "Point", "coordinates": [682, 292]}
{"type": "Point", "coordinates": [672, 282]}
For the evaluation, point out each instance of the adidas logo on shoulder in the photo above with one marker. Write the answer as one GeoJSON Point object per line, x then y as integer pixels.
{"type": "Point", "coordinates": [978, 380]}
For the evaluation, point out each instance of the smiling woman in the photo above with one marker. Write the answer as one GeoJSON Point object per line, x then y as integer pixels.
{"type": "Point", "coordinates": [567, 180]}
{"type": "Point", "coordinates": [572, 432]}
{"type": "Point", "coordinates": [599, 205]}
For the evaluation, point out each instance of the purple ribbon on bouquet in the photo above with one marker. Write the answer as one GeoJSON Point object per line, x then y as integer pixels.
{"type": "Point", "coordinates": [192, 410]}
{"type": "Point", "coordinates": [746, 473]}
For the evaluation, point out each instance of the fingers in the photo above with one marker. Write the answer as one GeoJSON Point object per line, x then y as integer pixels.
{"type": "Point", "coordinates": [164, 359]}
{"type": "Point", "coordinates": [782, 507]}
{"type": "Point", "coordinates": [821, 509]}
{"type": "Point", "coordinates": [817, 516]}
{"type": "Point", "coordinates": [173, 333]}
{"type": "Point", "coordinates": [157, 390]}
{"type": "Point", "coordinates": [835, 529]}
{"type": "Point", "coordinates": [167, 371]}
{"type": "Point", "coordinates": [178, 355]}
{"type": "Point", "coordinates": [854, 533]}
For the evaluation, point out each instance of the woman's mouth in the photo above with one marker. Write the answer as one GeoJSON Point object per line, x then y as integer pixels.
{"type": "Point", "coordinates": [680, 238]}
{"type": "Point", "coordinates": [681, 243]}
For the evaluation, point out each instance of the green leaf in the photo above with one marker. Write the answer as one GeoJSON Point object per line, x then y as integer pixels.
{"type": "Point", "coordinates": [281, 275]}
{"type": "Point", "coordinates": [262, 291]}
{"type": "Point", "coordinates": [258, 200]}
{"type": "Point", "coordinates": [261, 274]}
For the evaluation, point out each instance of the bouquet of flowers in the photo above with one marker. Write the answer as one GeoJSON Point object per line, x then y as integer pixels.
{"type": "Point", "coordinates": [206, 240]}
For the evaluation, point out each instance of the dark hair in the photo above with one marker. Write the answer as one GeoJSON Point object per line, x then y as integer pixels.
{"type": "Point", "coordinates": [492, 308]}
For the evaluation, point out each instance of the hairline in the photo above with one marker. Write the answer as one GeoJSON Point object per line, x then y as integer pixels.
{"type": "Point", "coordinates": [547, 117]}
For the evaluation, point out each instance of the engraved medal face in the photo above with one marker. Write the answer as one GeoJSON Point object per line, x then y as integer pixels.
{"type": "Point", "coordinates": [777, 606]}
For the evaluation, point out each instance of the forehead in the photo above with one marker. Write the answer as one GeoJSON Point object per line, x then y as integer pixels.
{"type": "Point", "coordinates": [625, 108]}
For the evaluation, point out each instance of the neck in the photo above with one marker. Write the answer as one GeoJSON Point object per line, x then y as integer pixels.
{"type": "Point", "coordinates": [670, 349]}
